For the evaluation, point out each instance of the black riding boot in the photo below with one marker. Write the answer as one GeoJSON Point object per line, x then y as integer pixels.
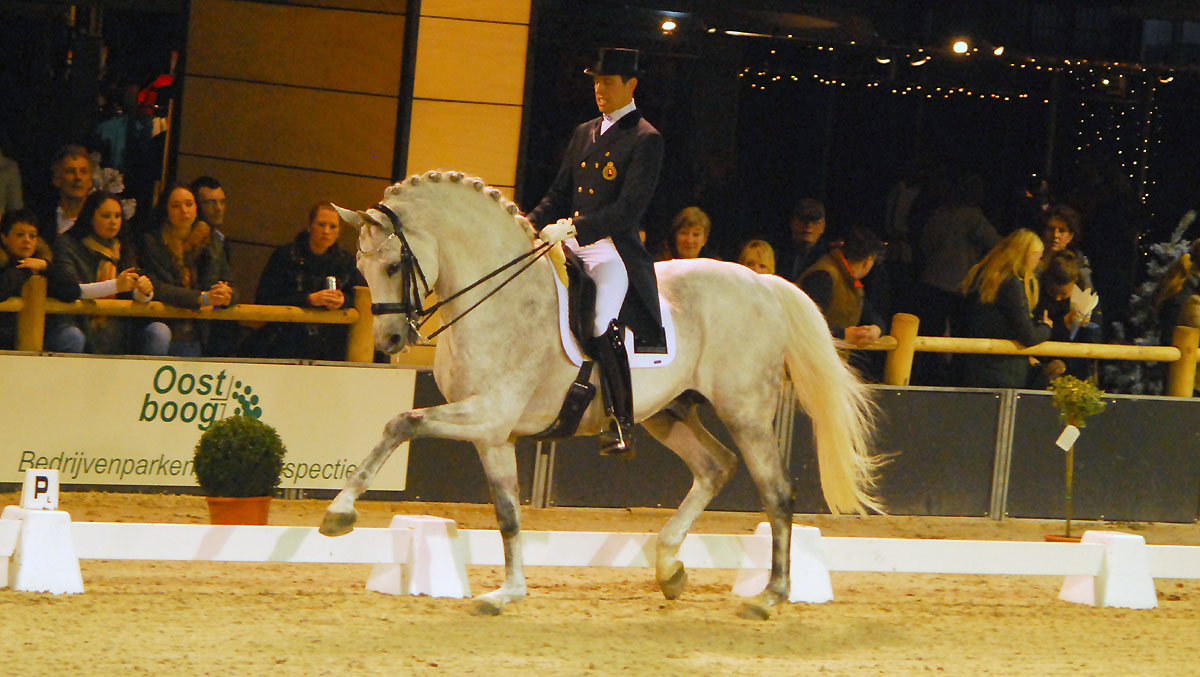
{"type": "Point", "coordinates": [608, 350]}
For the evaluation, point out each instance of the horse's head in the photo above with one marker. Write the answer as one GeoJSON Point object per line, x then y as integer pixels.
{"type": "Point", "coordinates": [400, 266]}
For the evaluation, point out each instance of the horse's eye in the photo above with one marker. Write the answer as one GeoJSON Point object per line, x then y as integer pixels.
{"type": "Point", "coordinates": [393, 268]}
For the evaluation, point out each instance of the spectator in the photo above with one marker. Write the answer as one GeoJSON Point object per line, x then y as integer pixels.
{"type": "Point", "coordinates": [1175, 295]}
{"type": "Point", "coordinates": [689, 234]}
{"type": "Point", "coordinates": [1059, 281]}
{"type": "Point", "coordinates": [757, 255]}
{"type": "Point", "coordinates": [186, 265]}
{"type": "Point", "coordinates": [24, 255]}
{"type": "Point", "coordinates": [72, 172]}
{"type": "Point", "coordinates": [92, 252]}
{"type": "Point", "coordinates": [808, 228]}
{"type": "Point", "coordinates": [954, 239]}
{"type": "Point", "coordinates": [11, 196]}
{"type": "Point", "coordinates": [835, 283]}
{"type": "Point", "coordinates": [210, 204]}
{"type": "Point", "coordinates": [1001, 291]}
{"type": "Point", "coordinates": [1062, 231]}
{"type": "Point", "coordinates": [297, 274]}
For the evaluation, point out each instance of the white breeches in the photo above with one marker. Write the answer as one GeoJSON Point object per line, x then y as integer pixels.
{"type": "Point", "coordinates": [604, 264]}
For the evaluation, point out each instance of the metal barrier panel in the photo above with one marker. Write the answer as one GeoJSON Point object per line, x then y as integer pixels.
{"type": "Point", "coordinates": [1138, 460]}
{"type": "Point", "coordinates": [944, 442]}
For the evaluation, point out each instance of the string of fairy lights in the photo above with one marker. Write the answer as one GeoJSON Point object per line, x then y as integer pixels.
{"type": "Point", "coordinates": [1115, 102]}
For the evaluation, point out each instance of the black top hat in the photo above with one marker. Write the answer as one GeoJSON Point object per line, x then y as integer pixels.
{"type": "Point", "coordinates": [616, 61]}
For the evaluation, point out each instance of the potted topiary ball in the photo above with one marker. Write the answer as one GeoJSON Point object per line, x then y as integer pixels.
{"type": "Point", "coordinates": [238, 462]}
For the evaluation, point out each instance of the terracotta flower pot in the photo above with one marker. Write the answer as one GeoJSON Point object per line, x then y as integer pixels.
{"type": "Point", "coordinates": [250, 510]}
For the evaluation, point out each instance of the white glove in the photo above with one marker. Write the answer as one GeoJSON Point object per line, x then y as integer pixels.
{"type": "Point", "coordinates": [557, 231]}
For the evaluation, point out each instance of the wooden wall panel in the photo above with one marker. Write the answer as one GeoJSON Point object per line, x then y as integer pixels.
{"type": "Point", "coordinates": [269, 205]}
{"type": "Point", "coordinates": [306, 46]}
{"type": "Point", "coordinates": [511, 11]}
{"type": "Point", "coordinates": [335, 131]}
{"type": "Point", "coordinates": [478, 139]}
{"type": "Point", "coordinates": [471, 61]}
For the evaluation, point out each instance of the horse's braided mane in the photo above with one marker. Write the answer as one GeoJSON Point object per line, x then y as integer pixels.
{"type": "Point", "coordinates": [435, 176]}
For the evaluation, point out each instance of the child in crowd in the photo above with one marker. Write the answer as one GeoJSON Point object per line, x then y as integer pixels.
{"type": "Point", "coordinates": [24, 255]}
{"type": "Point", "coordinates": [757, 255]}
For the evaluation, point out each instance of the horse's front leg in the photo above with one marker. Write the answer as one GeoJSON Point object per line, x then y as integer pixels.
{"type": "Point", "coordinates": [341, 515]}
{"type": "Point", "coordinates": [474, 419]}
{"type": "Point", "coordinates": [500, 464]}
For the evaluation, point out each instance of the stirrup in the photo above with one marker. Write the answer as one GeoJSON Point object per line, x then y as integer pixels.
{"type": "Point", "coordinates": [616, 441]}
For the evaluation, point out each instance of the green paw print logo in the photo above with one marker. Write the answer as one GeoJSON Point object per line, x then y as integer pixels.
{"type": "Point", "coordinates": [247, 401]}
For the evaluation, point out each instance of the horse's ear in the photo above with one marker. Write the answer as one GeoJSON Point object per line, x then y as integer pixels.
{"type": "Point", "coordinates": [352, 218]}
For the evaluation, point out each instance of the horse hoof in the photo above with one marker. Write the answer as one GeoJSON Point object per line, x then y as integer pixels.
{"type": "Point", "coordinates": [754, 612]}
{"type": "Point", "coordinates": [485, 607]}
{"type": "Point", "coordinates": [673, 587]}
{"type": "Point", "coordinates": [338, 523]}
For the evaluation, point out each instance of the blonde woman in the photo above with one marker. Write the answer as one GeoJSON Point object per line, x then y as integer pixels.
{"type": "Point", "coordinates": [1001, 292]}
{"type": "Point", "coordinates": [757, 255]}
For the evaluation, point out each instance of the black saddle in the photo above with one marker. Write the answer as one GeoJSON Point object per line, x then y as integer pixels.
{"type": "Point", "coordinates": [581, 308]}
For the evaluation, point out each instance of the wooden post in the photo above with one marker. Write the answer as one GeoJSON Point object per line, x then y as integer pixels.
{"type": "Point", "coordinates": [360, 342]}
{"type": "Point", "coordinates": [898, 368]}
{"type": "Point", "coordinates": [31, 320]}
{"type": "Point", "coordinates": [1181, 377]}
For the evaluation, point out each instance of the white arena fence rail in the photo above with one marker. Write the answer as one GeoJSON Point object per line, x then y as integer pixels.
{"type": "Point", "coordinates": [40, 549]}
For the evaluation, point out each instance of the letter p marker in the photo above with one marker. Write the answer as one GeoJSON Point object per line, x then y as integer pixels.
{"type": "Point", "coordinates": [40, 489]}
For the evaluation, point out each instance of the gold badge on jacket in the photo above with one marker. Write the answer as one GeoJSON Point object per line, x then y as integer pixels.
{"type": "Point", "coordinates": [609, 172]}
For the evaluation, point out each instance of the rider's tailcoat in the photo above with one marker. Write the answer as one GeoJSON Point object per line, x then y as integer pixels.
{"type": "Point", "coordinates": [605, 182]}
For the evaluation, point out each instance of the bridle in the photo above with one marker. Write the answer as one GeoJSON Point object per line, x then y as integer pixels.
{"type": "Point", "coordinates": [409, 269]}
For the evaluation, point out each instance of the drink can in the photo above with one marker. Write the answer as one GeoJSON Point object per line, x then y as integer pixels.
{"type": "Point", "coordinates": [331, 282]}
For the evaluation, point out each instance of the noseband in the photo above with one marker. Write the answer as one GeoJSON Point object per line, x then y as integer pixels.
{"type": "Point", "coordinates": [409, 269]}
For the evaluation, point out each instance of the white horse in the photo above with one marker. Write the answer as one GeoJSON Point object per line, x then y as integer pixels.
{"type": "Point", "coordinates": [504, 372]}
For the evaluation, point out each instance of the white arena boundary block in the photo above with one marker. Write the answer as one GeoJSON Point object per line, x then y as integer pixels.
{"type": "Point", "coordinates": [428, 555]}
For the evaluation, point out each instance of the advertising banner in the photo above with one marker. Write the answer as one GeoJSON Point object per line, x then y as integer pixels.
{"type": "Point", "coordinates": [136, 421]}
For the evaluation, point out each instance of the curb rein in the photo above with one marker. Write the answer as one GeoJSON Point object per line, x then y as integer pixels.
{"type": "Point", "coordinates": [410, 270]}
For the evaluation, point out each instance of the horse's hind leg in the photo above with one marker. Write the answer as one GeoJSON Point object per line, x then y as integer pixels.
{"type": "Point", "coordinates": [500, 464]}
{"type": "Point", "coordinates": [755, 437]}
{"type": "Point", "coordinates": [679, 429]}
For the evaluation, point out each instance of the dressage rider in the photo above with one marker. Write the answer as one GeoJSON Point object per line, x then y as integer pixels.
{"type": "Point", "coordinates": [595, 207]}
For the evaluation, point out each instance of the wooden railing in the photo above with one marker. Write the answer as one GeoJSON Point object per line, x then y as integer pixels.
{"type": "Point", "coordinates": [902, 344]}
{"type": "Point", "coordinates": [33, 306]}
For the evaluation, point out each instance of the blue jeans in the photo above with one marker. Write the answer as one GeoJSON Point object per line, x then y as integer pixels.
{"type": "Point", "coordinates": [155, 339]}
{"type": "Point", "coordinates": [65, 338]}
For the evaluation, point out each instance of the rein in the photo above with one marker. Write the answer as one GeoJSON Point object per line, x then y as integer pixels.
{"type": "Point", "coordinates": [410, 270]}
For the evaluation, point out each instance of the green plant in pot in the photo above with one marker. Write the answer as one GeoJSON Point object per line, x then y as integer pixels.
{"type": "Point", "coordinates": [238, 463]}
{"type": "Point", "coordinates": [1075, 400]}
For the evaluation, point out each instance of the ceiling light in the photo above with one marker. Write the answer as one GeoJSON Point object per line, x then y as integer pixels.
{"type": "Point", "coordinates": [999, 51]}
{"type": "Point", "coordinates": [960, 47]}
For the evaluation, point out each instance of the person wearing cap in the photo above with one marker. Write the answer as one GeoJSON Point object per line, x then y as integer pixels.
{"type": "Point", "coordinates": [808, 230]}
{"type": "Point", "coordinates": [595, 207]}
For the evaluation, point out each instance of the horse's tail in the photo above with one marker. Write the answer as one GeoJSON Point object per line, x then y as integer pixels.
{"type": "Point", "coordinates": [835, 399]}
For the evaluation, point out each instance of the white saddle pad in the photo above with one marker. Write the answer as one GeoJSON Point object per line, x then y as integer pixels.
{"type": "Point", "coordinates": [636, 360]}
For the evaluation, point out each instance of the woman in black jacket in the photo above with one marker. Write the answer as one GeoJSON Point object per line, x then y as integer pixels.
{"type": "Point", "coordinates": [1001, 291]}
{"type": "Point", "coordinates": [310, 272]}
